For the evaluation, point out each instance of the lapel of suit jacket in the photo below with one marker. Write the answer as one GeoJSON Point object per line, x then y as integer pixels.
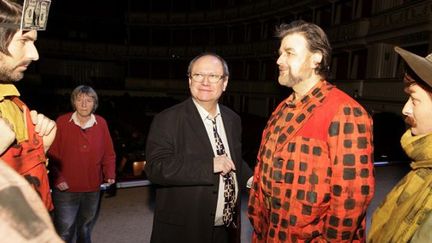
{"type": "Point", "coordinates": [227, 121]}
{"type": "Point", "coordinates": [197, 125]}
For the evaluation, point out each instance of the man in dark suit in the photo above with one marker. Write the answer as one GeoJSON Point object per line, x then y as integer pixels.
{"type": "Point", "coordinates": [194, 158]}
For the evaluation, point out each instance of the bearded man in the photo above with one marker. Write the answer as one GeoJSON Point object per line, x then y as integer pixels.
{"type": "Point", "coordinates": [28, 134]}
{"type": "Point", "coordinates": [313, 180]}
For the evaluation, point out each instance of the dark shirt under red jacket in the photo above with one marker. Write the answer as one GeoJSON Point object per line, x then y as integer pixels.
{"type": "Point", "coordinates": [84, 158]}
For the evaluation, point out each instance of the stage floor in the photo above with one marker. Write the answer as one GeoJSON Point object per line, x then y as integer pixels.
{"type": "Point", "coordinates": [128, 216]}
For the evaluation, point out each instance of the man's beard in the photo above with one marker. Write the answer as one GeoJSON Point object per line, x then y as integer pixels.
{"type": "Point", "coordinates": [8, 75]}
{"type": "Point", "coordinates": [291, 80]}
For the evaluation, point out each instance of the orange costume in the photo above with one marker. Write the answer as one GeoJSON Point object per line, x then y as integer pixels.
{"type": "Point", "coordinates": [27, 157]}
{"type": "Point", "coordinates": [314, 175]}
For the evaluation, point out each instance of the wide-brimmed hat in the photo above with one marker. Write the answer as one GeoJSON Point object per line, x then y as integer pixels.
{"type": "Point", "coordinates": [422, 66]}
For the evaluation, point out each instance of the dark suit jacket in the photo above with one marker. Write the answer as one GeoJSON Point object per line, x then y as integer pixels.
{"type": "Point", "coordinates": [180, 162]}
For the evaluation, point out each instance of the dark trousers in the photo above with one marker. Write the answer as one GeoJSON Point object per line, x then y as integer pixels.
{"type": "Point", "coordinates": [220, 234]}
{"type": "Point", "coordinates": [75, 212]}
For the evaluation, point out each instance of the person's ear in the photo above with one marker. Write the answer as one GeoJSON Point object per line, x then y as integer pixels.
{"type": "Point", "coordinates": [190, 82]}
{"type": "Point", "coordinates": [225, 83]}
{"type": "Point", "coordinates": [316, 59]}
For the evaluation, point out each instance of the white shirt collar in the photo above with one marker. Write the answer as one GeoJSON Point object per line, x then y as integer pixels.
{"type": "Point", "coordinates": [205, 114]}
{"type": "Point", "coordinates": [88, 124]}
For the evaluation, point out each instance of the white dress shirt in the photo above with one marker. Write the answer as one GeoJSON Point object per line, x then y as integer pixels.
{"type": "Point", "coordinates": [206, 118]}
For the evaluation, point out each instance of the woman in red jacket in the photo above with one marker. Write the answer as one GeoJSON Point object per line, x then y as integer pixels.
{"type": "Point", "coordinates": [83, 158]}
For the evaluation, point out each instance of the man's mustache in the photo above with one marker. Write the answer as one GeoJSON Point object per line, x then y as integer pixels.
{"type": "Point", "coordinates": [410, 121]}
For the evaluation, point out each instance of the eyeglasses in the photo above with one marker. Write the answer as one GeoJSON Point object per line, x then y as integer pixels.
{"type": "Point", "coordinates": [212, 78]}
